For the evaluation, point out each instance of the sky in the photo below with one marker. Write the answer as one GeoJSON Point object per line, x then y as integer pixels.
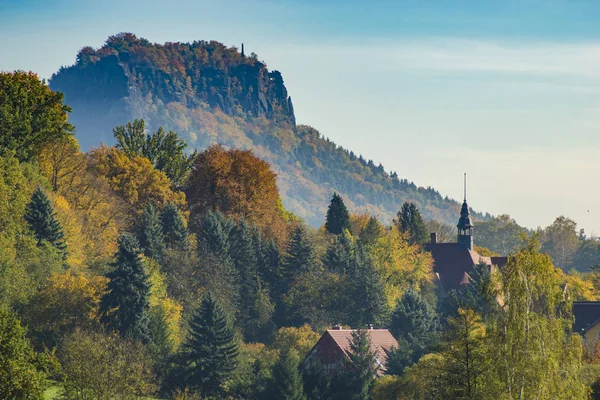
{"type": "Point", "coordinates": [504, 90]}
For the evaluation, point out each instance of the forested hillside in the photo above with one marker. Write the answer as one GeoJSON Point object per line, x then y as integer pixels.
{"type": "Point", "coordinates": [141, 270]}
{"type": "Point", "coordinates": [208, 94]}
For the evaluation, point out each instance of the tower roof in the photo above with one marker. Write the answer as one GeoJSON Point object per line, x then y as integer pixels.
{"type": "Point", "coordinates": [464, 221]}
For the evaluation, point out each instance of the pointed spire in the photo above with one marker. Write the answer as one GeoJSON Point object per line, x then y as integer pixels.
{"type": "Point", "coordinates": [465, 226]}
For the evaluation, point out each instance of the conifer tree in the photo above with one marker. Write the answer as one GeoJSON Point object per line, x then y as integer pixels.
{"type": "Point", "coordinates": [42, 219]}
{"type": "Point", "coordinates": [337, 219]}
{"type": "Point", "coordinates": [287, 380]}
{"type": "Point", "coordinates": [125, 305]}
{"type": "Point", "coordinates": [371, 232]}
{"type": "Point", "coordinates": [368, 301]}
{"type": "Point", "coordinates": [410, 221]}
{"type": "Point", "coordinates": [214, 233]}
{"type": "Point", "coordinates": [150, 233]}
{"type": "Point", "coordinates": [414, 323]}
{"type": "Point", "coordinates": [176, 234]}
{"type": "Point", "coordinates": [340, 253]}
{"type": "Point", "coordinates": [300, 255]}
{"type": "Point", "coordinates": [210, 352]}
{"type": "Point", "coordinates": [355, 380]}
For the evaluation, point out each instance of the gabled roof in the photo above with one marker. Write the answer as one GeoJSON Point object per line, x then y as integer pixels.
{"type": "Point", "coordinates": [587, 314]}
{"type": "Point", "coordinates": [382, 342]}
{"type": "Point", "coordinates": [452, 263]}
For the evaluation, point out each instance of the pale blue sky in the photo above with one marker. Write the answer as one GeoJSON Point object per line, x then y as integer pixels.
{"type": "Point", "coordinates": [507, 91]}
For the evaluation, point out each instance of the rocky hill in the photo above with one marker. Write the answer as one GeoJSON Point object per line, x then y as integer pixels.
{"type": "Point", "coordinates": [209, 93]}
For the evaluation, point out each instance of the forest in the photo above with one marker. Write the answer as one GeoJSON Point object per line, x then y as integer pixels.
{"type": "Point", "coordinates": [144, 270]}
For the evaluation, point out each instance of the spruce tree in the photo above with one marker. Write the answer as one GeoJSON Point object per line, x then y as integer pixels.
{"type": "Point", "coordinates": [300, 255]}
{"type": "Point", "coordinates": [410, 221]}
{"type": "Point", "coordinates": [214, 233]}
{"type": "Point", "coordinates": [286, 382]}
{"type": "Point", "coordinates": [371, 232]}
{"type": "Point", "coordinates": [125, 305]}
{"type": "Point", "coordinates": [340, 253]}
{"type": "Point", "coordinates": [337, 219]}
{"type": "Point", "coordinates": [355, 379]}
{"type": "Point", "coordinates": [176, 234]}
{"type": "Point", "coordinates": [210, 352]}
{"type": "Point", "coordinates": [150, 233]}
{"type": "Point", "coordinates": [414, 323]}
{"type": "Point", "coordinates": [368, 303]}
{"type": "Point", "coordinates": [42, 219]}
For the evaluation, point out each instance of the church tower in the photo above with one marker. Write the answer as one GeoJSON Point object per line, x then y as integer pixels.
{"type": "Point", "coordinates": [465, 226]}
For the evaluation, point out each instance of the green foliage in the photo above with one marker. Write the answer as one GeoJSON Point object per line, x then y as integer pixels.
{"type": "Point", "coordinates": [30, 114]}
{"type": "Point", "coordinates": [287, 380]}
{"type": "Point", "coordinates": [368, 303]}
{"type": "Point", "coordinates": [174, 229]}
{"type": "Point", "coordinates": [371, 232]}
{"type": "Point", "coordinates": [19, 374]}
{"type": "Point", "coordinates": [125, 305]}
{"type": "Point", "coordinates": [410, 222]}
{"type": "Point", "coordinates": [164, 150]}
{"type": "Point", "coordinates": [355, 380]}
{"type": "Point", "coordinates": [500, 234]}
{"type": "Point", "coordinates": [414, 323]}
{"type": "Point", "coordinates": [150, 233]}
{"type": "Point", "coordinates": [42, 219]}
{"type": "Point", "coordinates": [337, 219]}
{"type": "Point", "coordinates": [104, 366]}
{"type": "Point", "coordinates": [300, 255]}
{"type": "Point", "coordinates": [340, 254]}
{"type": "Point", "coordinates": [209, 355]}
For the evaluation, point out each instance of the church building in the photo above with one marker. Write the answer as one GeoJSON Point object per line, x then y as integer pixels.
{"type": "Point", "coordinates": [454, 261]}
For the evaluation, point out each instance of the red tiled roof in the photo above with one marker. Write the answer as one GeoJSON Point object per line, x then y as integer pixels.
{"type": "Point", "coordinates": [382, 342]}
{"type": "Point", "coordinates": [452, 263]}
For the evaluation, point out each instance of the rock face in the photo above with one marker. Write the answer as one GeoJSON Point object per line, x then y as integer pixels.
{"type": "Point", "coordinates": [131, 78]}
{"type": "Point", "coordinates": [208, 94]}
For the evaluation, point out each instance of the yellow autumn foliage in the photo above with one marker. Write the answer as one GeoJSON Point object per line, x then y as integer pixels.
{"type": "Point", "coordinates": [135, 179]}
{"type": "Point", "coordinates": [159, 299]}
{"type": "Point", "coordinates": [401, 265]}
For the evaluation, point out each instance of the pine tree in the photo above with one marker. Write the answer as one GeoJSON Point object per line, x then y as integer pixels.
{"type": "Point", "coordinates": [175, 232]}
{"type": "Point", "coordinates": [214, 233]}
{"type": "Point", "coordinates": [371, 232]}
{"type": "Point", "coordinates": [42, 219]}
{"type": "Point", "coordinates": [287, 380]}
{"type": "Point", "coordinates": [210, 352]}
{"type": "Point", "coordinates": [410, 221]}
{"type": "Point", "coordinates": [300, 255]}
{"type": "Point", "coordinates": [414, 323]}
{"type": "Point", "coordinates": [337, 219]}
{"type": "Point", "coordinates": [368, 303]}
{"type": "Point", "coordinates": [150, 233]}
{"type": "Point", "coordinates": [340, 254]}
{"type": "Point", "coordinates": [355, 379]}
{"type": "Point", "coordinates": [125, 305]}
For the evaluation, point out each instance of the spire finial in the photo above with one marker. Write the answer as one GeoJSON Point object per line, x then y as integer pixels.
{"type": "Point", "coordinates": [465, 186]}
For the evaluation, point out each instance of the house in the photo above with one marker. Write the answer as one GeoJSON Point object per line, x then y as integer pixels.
{"type": "Point", "coordinates": [587, 320]}
{"type": "Point", "coordinates": [333, 348]}
{"type": "Point", "coordinates": [454, 261]}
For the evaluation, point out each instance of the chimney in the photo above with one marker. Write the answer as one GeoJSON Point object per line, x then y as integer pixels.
{"type": "Point", "coordinates": [433, 236]}
{"type": "Point", "coordinates": [336, 327]}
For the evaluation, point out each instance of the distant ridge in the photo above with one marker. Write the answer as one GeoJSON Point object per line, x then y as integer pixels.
{"type": "Point", "coordinates": [210, 93]}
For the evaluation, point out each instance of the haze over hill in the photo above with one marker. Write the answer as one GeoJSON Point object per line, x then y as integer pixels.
{"type": "Point", "coordinates": [209, 93]}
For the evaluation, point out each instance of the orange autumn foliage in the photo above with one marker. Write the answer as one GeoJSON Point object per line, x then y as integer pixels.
{"type": "Point", "coordinates": [238, 184]}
